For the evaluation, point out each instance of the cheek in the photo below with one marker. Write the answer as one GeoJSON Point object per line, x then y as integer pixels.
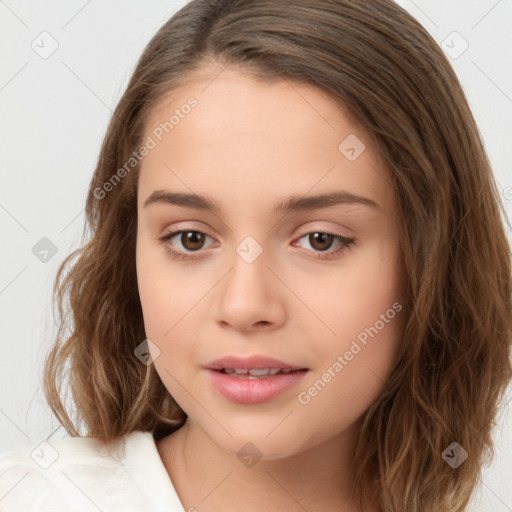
{"type": "Point", "coordinates": [363, 321]}
{"type": "Point", "coordinates": [166, 301]}
{"type": "Point", "coordinates": [350, 295]}
{"type": "Point", "coordinates": [164, 289]}
{"type": "Point", "coordinates": [164, 310]}
{"type": "Point", "coordinates": [355, 368]}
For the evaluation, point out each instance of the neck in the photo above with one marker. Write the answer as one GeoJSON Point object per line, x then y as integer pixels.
{"type": "Point", "coordinates": [208, 478]}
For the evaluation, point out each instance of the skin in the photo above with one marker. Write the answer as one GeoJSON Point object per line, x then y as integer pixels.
{"type": "Point", "coordinates": [246, 145]}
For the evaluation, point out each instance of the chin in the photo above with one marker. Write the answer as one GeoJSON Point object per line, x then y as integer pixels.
{"type": "Point", "coordinates": [248, 444]}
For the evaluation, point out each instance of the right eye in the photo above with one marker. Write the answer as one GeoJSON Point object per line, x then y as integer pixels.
{"type": "Point", "coordinates": [192, 240]}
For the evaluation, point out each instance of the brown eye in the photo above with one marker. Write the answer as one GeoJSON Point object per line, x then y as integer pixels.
{"type": "Point", "coordinates": [321, 241]}
{"type": "Point", "coordinates": [192, 240]}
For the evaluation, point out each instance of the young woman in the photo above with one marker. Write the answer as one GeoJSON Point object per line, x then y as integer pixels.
{"type": "Point", "coordinates": [297, 289]}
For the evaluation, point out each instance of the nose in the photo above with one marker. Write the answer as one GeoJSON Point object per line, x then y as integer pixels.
{"type": "Point", "coordinates": [251, 296]}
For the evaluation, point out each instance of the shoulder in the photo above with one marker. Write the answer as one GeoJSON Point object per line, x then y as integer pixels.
{"type": "Point", "coordinates": [78, 473]}
{"type": "Point", "coordinates": [46, 453]}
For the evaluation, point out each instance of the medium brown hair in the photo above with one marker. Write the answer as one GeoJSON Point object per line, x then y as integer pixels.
{"type": "Point", "coordinates": [454, 363]}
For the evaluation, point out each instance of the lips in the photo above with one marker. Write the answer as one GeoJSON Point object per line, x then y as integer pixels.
{"type": "Point", "coordinates": [254, 390]}
{"type": "Point", "coordinates": [251, 363]}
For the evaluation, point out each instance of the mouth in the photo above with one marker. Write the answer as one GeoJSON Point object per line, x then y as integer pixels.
{"type": "Point", "coordinates": [253, 373]}
{"type": "Point", "coordinates": [254, 386]}
{"type": "Point", "coordinates": [255, 365]}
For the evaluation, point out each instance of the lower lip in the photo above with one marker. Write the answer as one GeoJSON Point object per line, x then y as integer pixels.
{"type": "Point", "coordinates": [254, 391]}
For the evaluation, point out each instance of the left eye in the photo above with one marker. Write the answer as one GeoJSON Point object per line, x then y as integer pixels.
{"type": "Point", "coordinates": [323, 241]}
{"type": "Point", "coordinates": [192, 240]}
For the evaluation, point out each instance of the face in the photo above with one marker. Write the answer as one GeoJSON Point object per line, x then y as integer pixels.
{"type": "Point", "coordinates": [318, 287]}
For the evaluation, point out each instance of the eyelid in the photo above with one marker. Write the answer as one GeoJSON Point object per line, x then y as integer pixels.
{"type": "Point", "coordinates": [305, 229]}
{"type": "Point", "coordinates": [346, 243]}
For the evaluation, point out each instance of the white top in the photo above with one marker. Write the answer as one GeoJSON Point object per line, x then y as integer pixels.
{"type": "Point", "coordinates": [78, 474]}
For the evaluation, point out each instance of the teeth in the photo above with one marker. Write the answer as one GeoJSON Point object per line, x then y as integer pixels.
{"type": "Point", "coordinates": [255, 373]}
{"type": "Point", "coordinates": [238, 371]}
{"type": "Point", "coordinates": [259, 373]}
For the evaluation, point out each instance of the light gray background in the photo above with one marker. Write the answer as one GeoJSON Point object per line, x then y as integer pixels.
{"type": "Point", "coordinates": [54, 114]}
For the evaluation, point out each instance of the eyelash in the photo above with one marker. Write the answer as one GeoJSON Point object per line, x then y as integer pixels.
{"type": "Point", "coordinates": [345, 243]}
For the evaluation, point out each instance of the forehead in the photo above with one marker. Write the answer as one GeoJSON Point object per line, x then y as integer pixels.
{"type": "Point", "coordinates": [253, 138]}
{"type": "Point", "coordinates": [228, 97]}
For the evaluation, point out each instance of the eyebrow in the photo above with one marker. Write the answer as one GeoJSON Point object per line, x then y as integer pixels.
{"type": "Point", "coordinates": [286, 205]}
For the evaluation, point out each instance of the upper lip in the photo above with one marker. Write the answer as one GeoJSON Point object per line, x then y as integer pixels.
{"type": "Point", "coordinates": [251, 362]}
